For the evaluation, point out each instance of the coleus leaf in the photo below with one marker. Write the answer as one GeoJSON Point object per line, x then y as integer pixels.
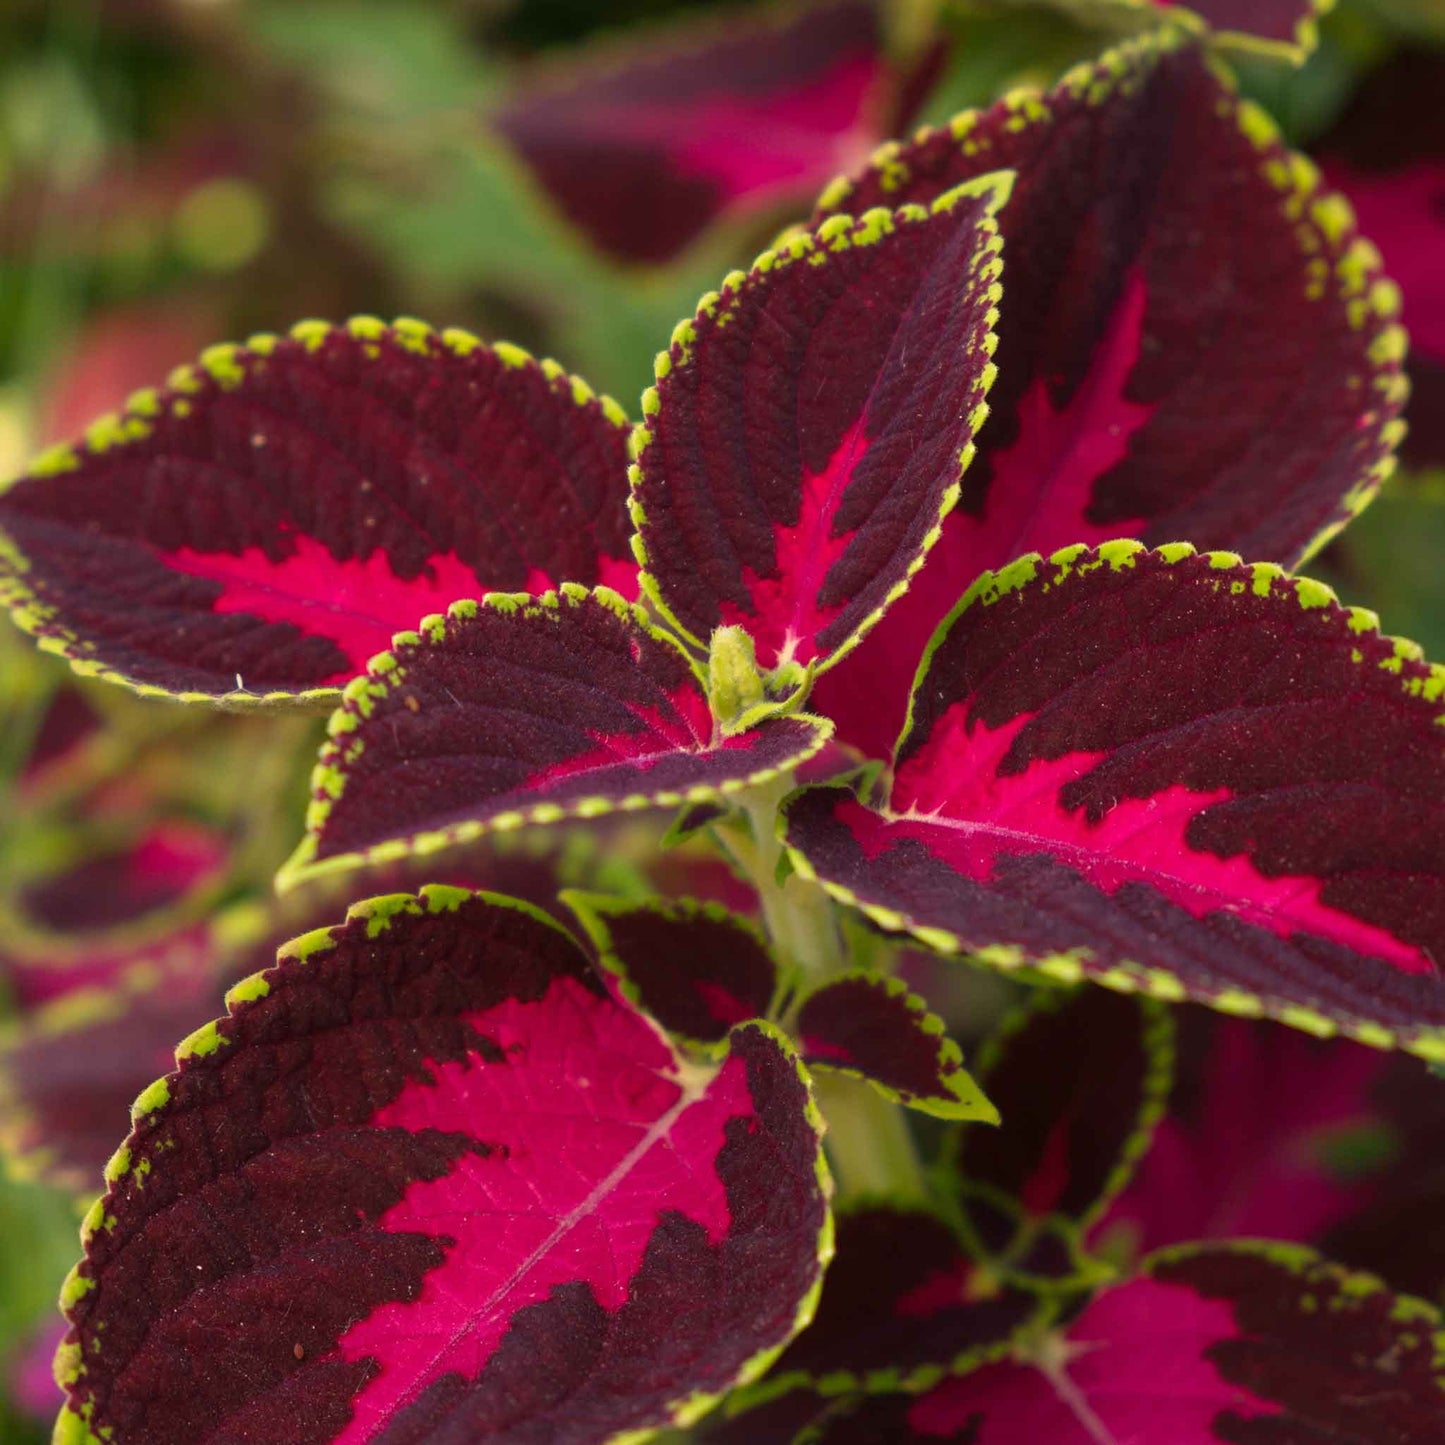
{"type": "Point", "coordinates": [902, 1304]}
{"type": "Point", "coordinates": [1114, 769]}
{"type": "Point", "coordinates": [1387, 155]}
{"type": "Point", "coordinates": [645, 147]}
{"type": "Point", "coordinates": [120, 885]}
{"type": "Point", "coordinates": [700, 971]}
{"type": "Point", "coordinates": [262, 526]}
{"type": "Point", "coordinates": [809, 426]}
{"type": "Point", "coordinates": [524, 710]}
{"type": "Point", "coordinates": [430, 1180]}
{"type": "Point", "coordinates": [873, 1027]}
{"type": "Point", "coordinates": [1222, 1163]}
{"type": "Point", "coordinates": [1155, 218]}
{"type": "Point", "coordinates": [696, 968]}
{"type": "Point", "coordinates": [1080, 1079]}
{"type": "Point", "coordinates": [1240, 1342]}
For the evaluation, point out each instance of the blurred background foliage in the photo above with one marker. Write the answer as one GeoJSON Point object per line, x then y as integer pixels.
{"type": "Point", "coordinates": [178, 172]}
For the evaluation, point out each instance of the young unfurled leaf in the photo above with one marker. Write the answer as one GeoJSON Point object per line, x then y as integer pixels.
{"type": "Point", "coordinates": [810, 425]}
{"type": "Point", "coordinates": [694, 967]}
{"type": "Point", "coordinates": [645, 148]}
{"type": "Point", "coordinates": [431, 1181]}
{"type": "Point", "coordinates": [263, 525]}
{"type": "Point", "coordinates": [902, 1303]}
{"type": "Point", "coordinates": [1080, 1080]}
{"type": "Point", "coordinates": [873, 1027]}
{"type": "Point", "coordinates": [520, 710]}
{"type": "Point", "coordinates": [1213, 1343]}
{"type": "Point", "coordinates": [1386, 153]}
{"type": "Point", "coordinates": [1156, 221]}
{"type": "Point", "coordinates": [1168, 772]}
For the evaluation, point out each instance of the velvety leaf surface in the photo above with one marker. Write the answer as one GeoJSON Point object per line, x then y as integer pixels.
{"type": "Point", "coordinates": [265, 523]}
{"type": "Point", "coordinates": [431, 1182]}
{"type": "Point", "coordinates": [1154, 221]}
{"type": "Point", "coordinates": [645, 148]}
{"type": "Point", "coordinates": [521, 710]}
{"type": "Point", "coordinates": [1216, 1343]}
{"type": "Point", "coordinates": [1116, 767]}
{"type": "Point", "coordinates": [810, 425]}
{"type": "Point", "coordinates": [1080, 1079]}
{"type": "Point", "coordinates": [694, 967]}
{"type": "Point", "coordinates": [1387, 154]}
{"type": "Point", "coordinates": [901, 1302]}
{"type": "Point", "coordinates": [873, 1027]}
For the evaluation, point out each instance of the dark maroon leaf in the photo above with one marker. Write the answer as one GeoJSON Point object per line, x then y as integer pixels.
{"type": "Point", "coordinates": [1116, 768]}
{"type": "Point", "coordinates": [521, 710]}
{"type": "Point", "coordinates": [1154, 221]}
{"type": "Point", "coordinates": [694, 967]}
{"type": "Point", "coordinates": [1080, 1079]}
{"type": "Point", "coordinates": [1250, 1344]}
{"type": "Point", "coordinates": [1387, 154]}
{"type": "Point", "coordinates": [809, 427]}
{"type": "Point", "coordinates": [430, 1181]}
{"type": "Point", "coordinates": [902, 1303]}
{"type": "Point", "coordinates": [646, 147]}
{"type": "Point", "coordinates": [873, 1027]}
{"type": "Point", "coordinates": [262, 526]}
{"type": "Point", "coordinates": [1256, 1139]}
{"type": "Point", "coordinates": [1241, 1343]}
{"type": "Point", "coordinates": [117, 887]}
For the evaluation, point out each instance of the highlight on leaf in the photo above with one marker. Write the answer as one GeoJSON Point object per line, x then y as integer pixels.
{"type": "Point", "coordinates": [1135, 396]}
{"type": "Point", "coordinates": [520, 710]}
{"type": "Point", "coordinates": [423, 1153]}
{"type": "Point", "coordinates": [257, 529]}
{"type": "Point", "coordinates": [1114, 769]}
{"type": "Point", "coordinates": [810, 425]}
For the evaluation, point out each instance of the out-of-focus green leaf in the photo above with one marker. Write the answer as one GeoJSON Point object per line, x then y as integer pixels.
{"type": "Point", "coordinates": [1390, 559]}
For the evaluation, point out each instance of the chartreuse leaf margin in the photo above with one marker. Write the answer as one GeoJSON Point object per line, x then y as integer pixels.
{"type": "Point", "coordinates": [846, 464]}
{"type": "Point", "coordinates": [252, 532]}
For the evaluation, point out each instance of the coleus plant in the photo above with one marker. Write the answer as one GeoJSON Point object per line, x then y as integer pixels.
{"type": "Point", "coordinates": [453, 1170]}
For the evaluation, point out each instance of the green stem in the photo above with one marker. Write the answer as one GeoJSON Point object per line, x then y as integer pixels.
{"type": "Point", "coordinates": [870, 1146]}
